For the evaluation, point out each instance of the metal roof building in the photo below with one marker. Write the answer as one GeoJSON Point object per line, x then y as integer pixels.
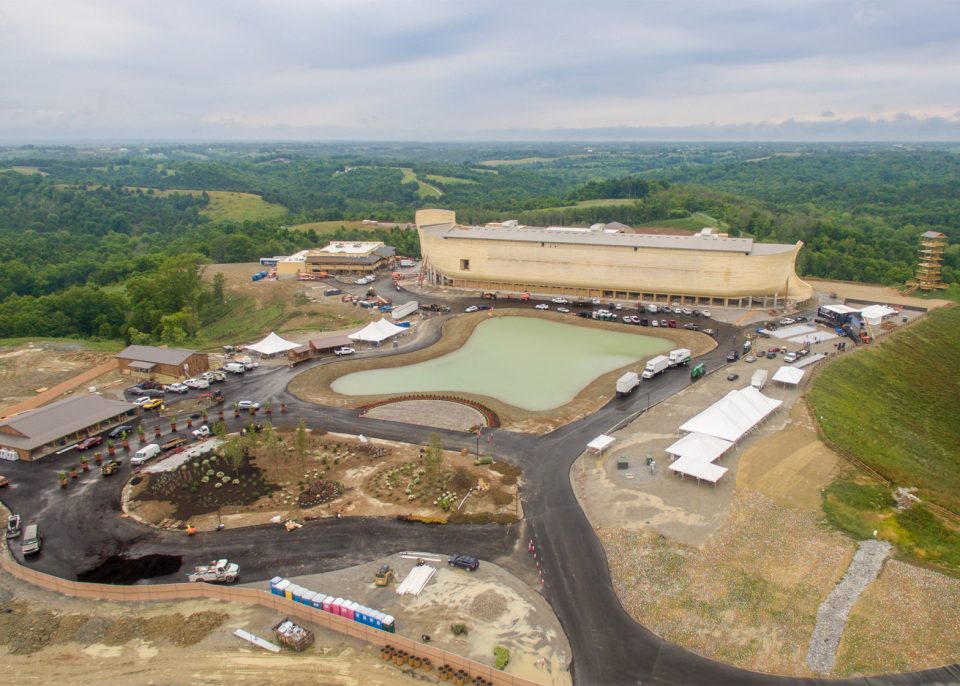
{"type": "Point", "coordinates": [39, 432]}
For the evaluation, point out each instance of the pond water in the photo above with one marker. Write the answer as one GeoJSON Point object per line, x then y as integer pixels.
{"type": "Point", "coordinates": [533, 364]}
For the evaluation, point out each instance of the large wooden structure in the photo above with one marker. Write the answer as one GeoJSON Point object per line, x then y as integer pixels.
{"type": "Point", "coordinates": [701, 269]}
{"type": "Point", "coordinates": [930, 265]}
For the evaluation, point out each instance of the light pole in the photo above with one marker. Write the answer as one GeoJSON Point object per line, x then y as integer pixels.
{"type": "Point", "coordinates": [479, 429]}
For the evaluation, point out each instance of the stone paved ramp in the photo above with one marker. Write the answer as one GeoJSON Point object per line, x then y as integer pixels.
{"type": "Point", "coordinates": [442, 414]}
{"type": "Point", "coordinates": [833, 613]}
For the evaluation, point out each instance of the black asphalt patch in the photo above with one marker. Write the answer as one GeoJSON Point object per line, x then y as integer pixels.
{"type": "Point", "coordinates": [128, 571]}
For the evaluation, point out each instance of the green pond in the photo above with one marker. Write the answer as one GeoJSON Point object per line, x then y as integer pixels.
{"type": "Point", "coordinates": [534, 364]}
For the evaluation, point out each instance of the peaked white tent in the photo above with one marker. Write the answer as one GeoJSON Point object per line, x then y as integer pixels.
{"type": "Point", "coordinates": [874, 314]}
{"type": "Point", "coordinates": [701, 470]}
{"type": "Point", "coordinates": [271, 345]}
{"type": "Point", "coordinates": [789, 375]}
{"type": "Point", "coordinates": [600, 443]}
{"type": "Point", "coordinates": [700, 447]}
{"type": "Point", "coordinates": [377, 331]}
{"type": "Point", "coordinates": [733, 415]}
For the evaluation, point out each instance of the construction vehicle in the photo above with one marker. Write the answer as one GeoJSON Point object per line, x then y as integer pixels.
{"type": "Point", "coordinates": [216, 572]}
{"type": "Point", "coordinates": [108, 468]}
{"type": "Point", "coordinates": [383, 576]}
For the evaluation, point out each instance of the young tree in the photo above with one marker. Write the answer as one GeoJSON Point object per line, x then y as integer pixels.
{"type": "Point", "coordinates": [433, 456]}
{"type": "Point", "coordinates": [302, 442]}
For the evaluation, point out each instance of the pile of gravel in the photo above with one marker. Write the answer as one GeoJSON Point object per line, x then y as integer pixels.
{"type": "Point", "coordinates": [832, 615]}
{"type": "Point", "coordinates": [488, 606]}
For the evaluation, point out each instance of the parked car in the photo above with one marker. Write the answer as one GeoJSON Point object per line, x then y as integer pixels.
{"type": "Point", "coordinates": [541, 306]}
{"type": "Point", "coordinates": [197, 383]}
{"type": "Point", "coordinates": [14, 524]}
{"type": "Point", "coordinates": [468, 562]}
{"type": "Point", "coordinates": [677, 310]}
{"type": "Point", "coordinates": [344, 351]}
{"type": "Point", "coordinates": [147, 452]}
{"type": "Point", "coordinates": [732, 376]}
{"type": "Point", "coordinates": [654, 322]}
{"type": "Point", "coordinates": [235, 367]}
{"type": "Point", "coordinates": [594, 301]}
{"type": "Point", "coordinates": [177, 388]}
{"type": "Point", "coordinates": [750, 359]}
{"type": "Point", "coordinates": [774, 349]}
{"type": "Point", "coordinates": [644, 322]}
{"type": "Point", "coordinates": [686, 311]}
{"type": "Point", "coordinates": [248, 405]}
{"type": "Point", "coordinates": [663, 323]}
{"type": "Point", "coordinates": [691, 326]}
{"type": "Point", "coordinates": [140, 402]}
{"type": "Point", "coordinates": [705, 313]}
{"type": "Point", "coordinates": [802, 318]}
{"type": "Point", "coordinates": [150, 384]}
{"type": "Point", "coordinates": [790, 357]}
{"type": "Point", "coordinates": [32, 538]}
{"type": "Point", "coordinates": [771, 355]}
{"type": "Point", "coordinates": [563, 309]}
{"type": "Point", "coordinates": [472, 308]}
{"type": "Point", "coordinates": [672, 323]}
{"type": "Point", "coordinates": [733, 356]}
{"type": "Point", "coordinates": [484, 307]}
{"type": "Point", "coordinates": [154, 392]}
{"type": "Point", "coordinates": [133, 390]}
{"type": "Point", "coordinates": [218, 376]}
{"type": "Point", "coordinates": [119, 431]}
{"type": "Point", "coordinates": [786, 321]}
{"type": "Point", "coordinates": [560, 301]}
{"type": "Point", "coordinates": [709, 332]}
{"type": "Point", "coordinates": [90, 442]}
{"type": "Point", "coordinates": [152, 404]}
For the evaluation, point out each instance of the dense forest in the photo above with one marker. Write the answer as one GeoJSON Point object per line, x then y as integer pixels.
{"type": "Point", "coordinates": [98, 242]}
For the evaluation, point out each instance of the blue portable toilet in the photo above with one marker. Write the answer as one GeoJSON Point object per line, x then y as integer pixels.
{"type": "Point", "coordinates": [317, 600]}
{"type": "Point", "coordinates": [281, 587]}
{"type": "Point", "coordinates": [273, 584]}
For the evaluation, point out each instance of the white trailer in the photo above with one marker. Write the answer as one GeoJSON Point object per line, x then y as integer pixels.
{"type": "Point", "coordinates": [627, 383]}
{"type": "Point", "coordinates": [759, 379]}
{"type": "Point", "coordinates": [678, 357]}
{"type": "Point", "coordinates": [655, 366]}
{"type": "Point", "coordinates": [401, 311]}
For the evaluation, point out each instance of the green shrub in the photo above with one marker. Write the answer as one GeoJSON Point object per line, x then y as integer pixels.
{"type": "Point", "coordinates": [501, 657]}
{"type": "Point", "coordinates": [459, 629]}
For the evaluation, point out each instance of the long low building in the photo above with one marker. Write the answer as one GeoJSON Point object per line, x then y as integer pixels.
{"type": "Point", "coordinates": [33, 434]}
{"type": "Point", "coordinates": [700, 269]}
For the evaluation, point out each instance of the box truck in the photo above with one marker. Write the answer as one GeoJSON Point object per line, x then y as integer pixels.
{"type": "Point", "coordinates": [680, 356]}
{"type": "Point", "coordinates": [627, 383]}
{"type": "Point", "coordinates": [656, 366]}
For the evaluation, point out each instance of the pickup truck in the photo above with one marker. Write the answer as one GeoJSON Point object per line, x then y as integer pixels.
{"type": "Point", "coordinates": [202, 433]}
{"type": "Point", "coordinates": [216, 572]}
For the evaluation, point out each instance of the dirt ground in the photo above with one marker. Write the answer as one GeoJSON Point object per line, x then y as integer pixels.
{"type": "Point", "coordinates": [314, 385]}
{"type": "Point", "coordinates": [873, 293]}
{"type": "Point", "coordinates": [32, 368]}
{"type": "Point", "coordinates": [48, 638]}
{"type": "Point", "coordinates": [369, 488]}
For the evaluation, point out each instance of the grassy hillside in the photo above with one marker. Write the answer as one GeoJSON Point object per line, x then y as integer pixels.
{"type": "Point", "coordinates": [896, 407]}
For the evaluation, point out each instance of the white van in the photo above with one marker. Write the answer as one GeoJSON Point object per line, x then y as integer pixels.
{"type": "Point", "coordinates": [234, 368]}
{"type": "Point", "coordinates": [147, 452]}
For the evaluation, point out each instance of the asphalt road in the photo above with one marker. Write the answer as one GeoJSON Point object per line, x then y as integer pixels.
{"type": "Point", "coordinates": [82, 529]}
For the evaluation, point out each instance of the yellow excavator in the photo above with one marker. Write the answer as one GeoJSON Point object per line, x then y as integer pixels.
{"type": "Point", "coordinates": [383, 577]}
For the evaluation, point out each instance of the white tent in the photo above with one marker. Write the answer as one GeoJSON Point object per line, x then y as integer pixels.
{"type": "Point", "coordinates": [807, 361]}
{"type": "Point", "coordinates": [733, 415]}
{"type": "Point", "coordinates": [600, 443]}
{"type": "Point", "coordinates": [699, 469]}
{"type": "Point", "coordinates": [874, 314]}
{"type": "Point", "coordinates": [377, 331]}
{"type": "Point", "coordinates": [699, 447]}
{"type": "Point", "coordinates": [789, 375]}
{"type": "Point", "coordinates": [271, 345]}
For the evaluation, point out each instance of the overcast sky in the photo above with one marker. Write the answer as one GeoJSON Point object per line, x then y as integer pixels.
{"type": "Point", "coordinates": [479, 69]}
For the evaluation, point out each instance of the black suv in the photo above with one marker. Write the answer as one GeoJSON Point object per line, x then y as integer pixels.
{"type": "Point", "coordinates": [468, 562]}
{"type": "Point", "coordinates": [733, 356]}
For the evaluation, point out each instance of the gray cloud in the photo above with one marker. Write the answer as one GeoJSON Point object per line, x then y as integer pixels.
{"type": "Point", "coordinates": [435, 69]}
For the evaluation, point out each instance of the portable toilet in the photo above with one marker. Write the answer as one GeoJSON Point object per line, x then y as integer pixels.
{"type": "Point", "coordinates": [317, 600]}
{"type": "Point", "coordinates": [273, 584]}
{"type": "Point", "coordinates": [308, 597]}
{"type": "Point", "coordinates": [348, 609]}
{"type": "Point", "coordinates": [327, 603]}
{"type": "Point", "coordinates": [296, 592]}
{"type": "Point", "coordinates": [278, 586]}
{"type": "Point", "coordinates": [288, 591]}
{"type": "Point", "coordinates": [378, 619]}
{"type": "Point", "coordinates": [337, 606]}
{"type": "Point", "coordinates": [360, 614]}
{"type": "Point", "coordinates": [389, 624]}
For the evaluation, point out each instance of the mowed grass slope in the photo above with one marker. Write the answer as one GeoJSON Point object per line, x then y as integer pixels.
{"type": "Point", "coordinates": [896, 407]}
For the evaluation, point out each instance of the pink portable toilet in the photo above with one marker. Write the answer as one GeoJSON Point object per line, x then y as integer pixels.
{"type": "Point", "coordinates": [327, 604]}
{"type": "Point", "coordinates": [337, 606]}
{"type": "Point", "coordinates": [348, 608]}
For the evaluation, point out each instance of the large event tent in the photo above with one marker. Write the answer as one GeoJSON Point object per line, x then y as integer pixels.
{"type": "Point", "coordinates": [700, 447]}
{"type": "Point", "coordinates": [271, 345]}
{"type": "Point", "coordinates": [733, 415]}
{"type": "Point", "coordinates": [789, 375]}
{"type": "Point", "coordinates": [378, 331]}
{"type": "Point", "coordinates": [600, 443]}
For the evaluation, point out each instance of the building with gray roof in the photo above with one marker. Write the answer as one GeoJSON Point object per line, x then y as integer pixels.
{"type": "Point", "coordinates": [35, 433]}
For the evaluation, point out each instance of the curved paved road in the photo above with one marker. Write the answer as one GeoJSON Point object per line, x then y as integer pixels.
{"type": "Point", "coordinates": [82, 527]}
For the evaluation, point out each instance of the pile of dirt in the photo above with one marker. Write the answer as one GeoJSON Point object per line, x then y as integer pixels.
{"type": "Point", "coordinates": [488, 606]}
{"type": "Point", "coordinates": [25, 631]}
